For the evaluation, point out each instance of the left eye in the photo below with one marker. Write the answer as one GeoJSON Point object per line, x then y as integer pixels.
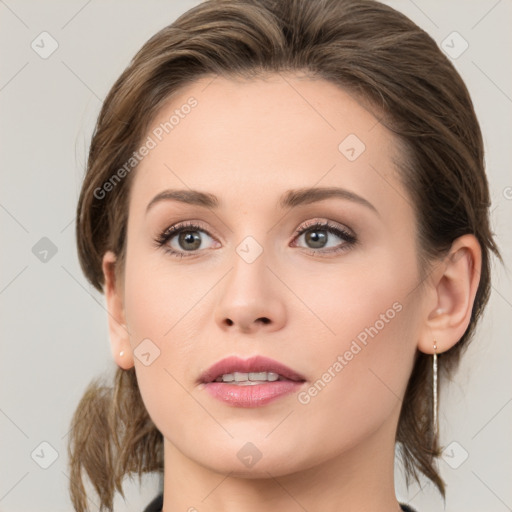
{"type": "Point", "coordinates": [317, 236]}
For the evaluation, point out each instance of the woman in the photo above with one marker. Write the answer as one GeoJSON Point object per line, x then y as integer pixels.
{"type": "Point", "coordinates": [287, 210]}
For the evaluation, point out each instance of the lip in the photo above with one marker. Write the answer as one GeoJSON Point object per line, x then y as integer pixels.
{"type": "Point", "coordinates": [253, 364]}
{"type": "Point", "coordinates": [255, 395]}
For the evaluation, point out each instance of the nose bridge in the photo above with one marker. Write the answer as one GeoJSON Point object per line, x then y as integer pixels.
{"type": "Point", "coordinates": [249, 295]}
{"type": "Point", "coordinates": [251, 255]}
{"type": "Point", "coordinates": [248, 281]}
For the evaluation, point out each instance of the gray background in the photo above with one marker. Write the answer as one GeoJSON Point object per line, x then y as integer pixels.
{"type": "Point", "coordinates": [54, 325]}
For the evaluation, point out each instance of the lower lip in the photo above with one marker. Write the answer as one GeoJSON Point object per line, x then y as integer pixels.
{"type": "Point", "coordinates": [253, 395]}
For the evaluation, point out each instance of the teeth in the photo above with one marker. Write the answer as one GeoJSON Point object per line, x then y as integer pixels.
{"type": "Point", "coordinates": [247, 379]}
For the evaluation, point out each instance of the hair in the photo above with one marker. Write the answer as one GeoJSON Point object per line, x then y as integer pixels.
{"type": "Point", "coordinates": [368, 49]}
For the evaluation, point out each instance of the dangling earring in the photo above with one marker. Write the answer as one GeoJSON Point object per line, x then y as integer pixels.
{"type": "Point", "coordinates": [434, 388]}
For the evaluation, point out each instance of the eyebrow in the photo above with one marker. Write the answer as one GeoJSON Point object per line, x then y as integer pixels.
{"type": "Point", "coordinates": [290, 199]}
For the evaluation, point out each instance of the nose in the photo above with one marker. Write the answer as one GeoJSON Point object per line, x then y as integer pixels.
{"type": "Point", "coordinates": [252, 298]}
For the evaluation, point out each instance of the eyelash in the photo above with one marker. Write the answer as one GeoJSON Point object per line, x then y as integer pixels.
{"type": "Point", "coordinates": [350, 240]}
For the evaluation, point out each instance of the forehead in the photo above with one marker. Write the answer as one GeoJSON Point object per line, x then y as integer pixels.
{"type": "Point", "coordinates": [233, 137]}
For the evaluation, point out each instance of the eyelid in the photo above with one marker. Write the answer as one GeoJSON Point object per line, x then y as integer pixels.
{"type": "Point", "coordinates": [183, 225]}
{"type": "Point", "coordinates": [324, 223]}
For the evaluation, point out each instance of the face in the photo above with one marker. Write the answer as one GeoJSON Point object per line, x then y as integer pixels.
{"type": "Point", "coordinates": [325, 284]}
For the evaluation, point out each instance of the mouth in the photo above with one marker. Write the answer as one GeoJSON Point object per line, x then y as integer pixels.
{"type": "Point", "coordinates": [249, 372]}
{"type": "Point", "coordinates": [250, 383]}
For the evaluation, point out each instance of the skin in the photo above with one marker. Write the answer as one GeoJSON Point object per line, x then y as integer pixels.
{"type": "Point", "coordinates": [247, 142]}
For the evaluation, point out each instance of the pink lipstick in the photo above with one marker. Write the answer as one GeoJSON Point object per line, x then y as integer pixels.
{"type": "Point", "coordinates": [252, 382]}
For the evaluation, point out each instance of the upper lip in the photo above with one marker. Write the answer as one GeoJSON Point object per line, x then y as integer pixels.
{"type": "Point", "coordinates": [253, 364]}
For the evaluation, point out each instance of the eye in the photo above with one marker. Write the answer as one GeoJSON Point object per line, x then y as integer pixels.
{"type": "Point", "coordinates": [186, 237]}
{"type": "Point", "coordinates": [320, 235]}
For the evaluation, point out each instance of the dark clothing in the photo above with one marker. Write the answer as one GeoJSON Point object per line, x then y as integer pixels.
{"type": "Point", "coordinates": [157, 504]}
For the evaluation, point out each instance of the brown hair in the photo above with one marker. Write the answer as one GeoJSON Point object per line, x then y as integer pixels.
{"type": "Point", "coordinates": [381, 58]}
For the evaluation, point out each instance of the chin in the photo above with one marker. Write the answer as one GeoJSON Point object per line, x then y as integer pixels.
{"type": "Point", "coordinates": [250, 459]}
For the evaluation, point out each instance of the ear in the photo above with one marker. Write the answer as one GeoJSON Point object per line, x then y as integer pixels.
{"type": "Point", "coordinates": [118, 331]}
{"type": "Point", "coordinates": [453, 287]}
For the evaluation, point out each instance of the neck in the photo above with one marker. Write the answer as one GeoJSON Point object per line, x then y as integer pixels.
{"type": "Point", "coordinates": [357, 479]}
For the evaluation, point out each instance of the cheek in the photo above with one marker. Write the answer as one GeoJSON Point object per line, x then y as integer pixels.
{"type": "Point", "coordinates": [359, 379]}
{"type": "Point", "coordinates": [161, 307]}
{"type": "Point", "coordinates": [158, 295]}
{"type": "Point", "coordinates": [366, 292]}
{"type": "Point", "coordinates": [364, 359]}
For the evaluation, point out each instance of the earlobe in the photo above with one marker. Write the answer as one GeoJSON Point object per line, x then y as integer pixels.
{"type": "Point", "coordinates": [454, 289]}
{"type": "Point", "coordinates": [118, 330]}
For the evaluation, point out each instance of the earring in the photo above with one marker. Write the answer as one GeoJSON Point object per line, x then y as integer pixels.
{"type": "Point", "coordinates": [121, 353]}
{"type": "Point", "coordinates": [434, 388]}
